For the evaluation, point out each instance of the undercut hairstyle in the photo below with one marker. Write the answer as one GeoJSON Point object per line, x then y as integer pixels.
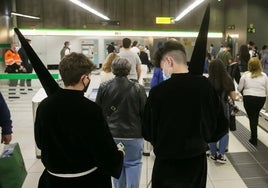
{"type": "Point", "coordinates": [121, 67]}
{"type": "Point", "coordinates": [174, 49]}
{"type": "Point", "coordinates": [255, 67]}
{"type": "Point", "coordinates": [126, 43]}
{"type": "Point", "coordinates": [73, 66]}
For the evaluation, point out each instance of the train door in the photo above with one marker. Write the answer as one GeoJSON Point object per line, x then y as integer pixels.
{"type": "Point", "coordinates": [89, 48]}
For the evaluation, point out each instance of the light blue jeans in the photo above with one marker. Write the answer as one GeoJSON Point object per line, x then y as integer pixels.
{"type": "Point", "coordinates": [222, 145]}
{"type": "Point", "coordinates": [131, 171]}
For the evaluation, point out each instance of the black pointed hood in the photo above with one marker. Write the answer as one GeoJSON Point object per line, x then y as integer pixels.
{"type": "Point", "coordinates": [46, 79]}
{"type": "Point", "coordinates": [196, 65]}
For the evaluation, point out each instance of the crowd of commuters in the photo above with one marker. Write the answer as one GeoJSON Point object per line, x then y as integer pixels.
{"type": "Point", "coordinates": [109, 133]}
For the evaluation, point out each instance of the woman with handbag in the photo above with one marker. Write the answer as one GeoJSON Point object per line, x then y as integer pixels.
{"type": "Point", "coordinates": [223, 84]}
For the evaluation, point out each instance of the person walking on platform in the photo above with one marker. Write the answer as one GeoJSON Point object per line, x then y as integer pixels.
{"type": "Point", "coordinates": [65, 50]}
{"type": "Point", "coordinates": [5, 121]}
{"type": "Point", "coordinates": [144, 58]}
{"type": "Point", "coordinates": [133, 58]}
{"type": "Point", "coordinates": [122, 101]}
{"type": "Point", "coordinates": [224, 85]}
{"type": "Point", "coordinates": [77, 148]}
{"type": "Point", "coordinates": [13, 65]}
{"type": "Point", "coordinates": [179, 114]}
{"type": "Point", "coordinates": [225, 56]}
{"type": "Point", "coordinates": [254, 87]}
{"type": "Point", "coordinates": [28, 66]}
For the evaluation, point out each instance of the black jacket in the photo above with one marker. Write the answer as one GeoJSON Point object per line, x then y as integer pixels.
{"type": "Point", "coordinates": [73, 135]}
{"type": "Point", "coordinates": [180, 116]}
{"type": "Point", "coordinates": [25, 60]}
{"type": "Point", "coordinates": [127, 99]}
{"type": "Point", "coordinates": [144, 58]}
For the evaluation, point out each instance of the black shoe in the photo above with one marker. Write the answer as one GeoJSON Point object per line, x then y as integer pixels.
{"type": "Point", "coordinates": [213, 157]}
{"type": "Point", "coordinates": [221, 159]}
{"type": "Point", "coordinates": [253, 142]}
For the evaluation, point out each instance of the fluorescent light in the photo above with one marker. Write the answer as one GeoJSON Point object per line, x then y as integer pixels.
{"type": "Point", "coordinates": [188, 9]}
{"type": "Point", "coordinates": [88, 8]}
{"type": "Point", "coordinates": [114, 33]}
{"type": "Point", "coordinates": [234, 35]}
{"type": "Point", "coordinates": [25, 15]}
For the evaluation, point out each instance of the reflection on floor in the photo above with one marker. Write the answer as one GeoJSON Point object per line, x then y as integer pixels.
{"type": "Point", "coordinates": [252, 166]}
{"type": "Point", "coordinates": [247, 166]}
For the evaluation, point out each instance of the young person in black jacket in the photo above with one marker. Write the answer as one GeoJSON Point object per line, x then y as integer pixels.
{"type": "Point", "coordinates": [70, 130]}
{"type": "Point", "coordinates": [179, 114]}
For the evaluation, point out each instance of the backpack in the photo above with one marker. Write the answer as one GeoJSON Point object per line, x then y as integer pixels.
{"type": "Point", "coordinates": [222, 118]}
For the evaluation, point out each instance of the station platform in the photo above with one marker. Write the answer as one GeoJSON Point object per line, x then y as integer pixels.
{"type": "Point", "coordinates": [247, 166]}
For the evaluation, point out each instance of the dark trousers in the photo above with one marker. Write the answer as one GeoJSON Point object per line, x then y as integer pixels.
{"type": "Point", "coordinates": [253, 106]}
{"type": "Point", "coordinates": [180, 173]}
{"type": "Point", "coordinates": [94, 180]}
{"type": "Point", "coordinates": [28, 83]}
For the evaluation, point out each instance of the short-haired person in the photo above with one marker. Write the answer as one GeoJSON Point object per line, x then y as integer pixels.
{"type": "Point", "coordinates": [122, 101]}
{"type": "Point", "coordinates": [65, 50]}
{"type": "Point", "coordinates": [179, 112]}
{"type": "Point", "coordinates": [13, 65]}
{"type": "Point", "coordinates": [133, 59]}
{"type": "Point", "coordinates": [225, 56]}
{"type": "Point", "coordinates": [254, 87]}
{"type": "Point", "coordinates": [77, 147]}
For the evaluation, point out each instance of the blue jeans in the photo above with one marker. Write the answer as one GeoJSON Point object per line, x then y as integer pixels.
{"type": "Point", "coordinates": [131, 171]}
{"type": "Point", "coordinates": [222, 145]}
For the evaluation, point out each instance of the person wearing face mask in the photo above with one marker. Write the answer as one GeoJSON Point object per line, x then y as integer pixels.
{"type": "Point", "coordinates": [77, 147]}
{"type": "Point", "coordinates": [179, 118]}
{"type": "Point", "coordinates": [13, 65]}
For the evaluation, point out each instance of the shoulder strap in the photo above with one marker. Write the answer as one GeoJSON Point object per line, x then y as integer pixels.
{"type": "Point", "coordinates": [116, 103]}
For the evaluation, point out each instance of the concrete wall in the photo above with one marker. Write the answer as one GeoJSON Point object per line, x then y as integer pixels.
{"type": "Point", "coordinates": [257, 15]}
